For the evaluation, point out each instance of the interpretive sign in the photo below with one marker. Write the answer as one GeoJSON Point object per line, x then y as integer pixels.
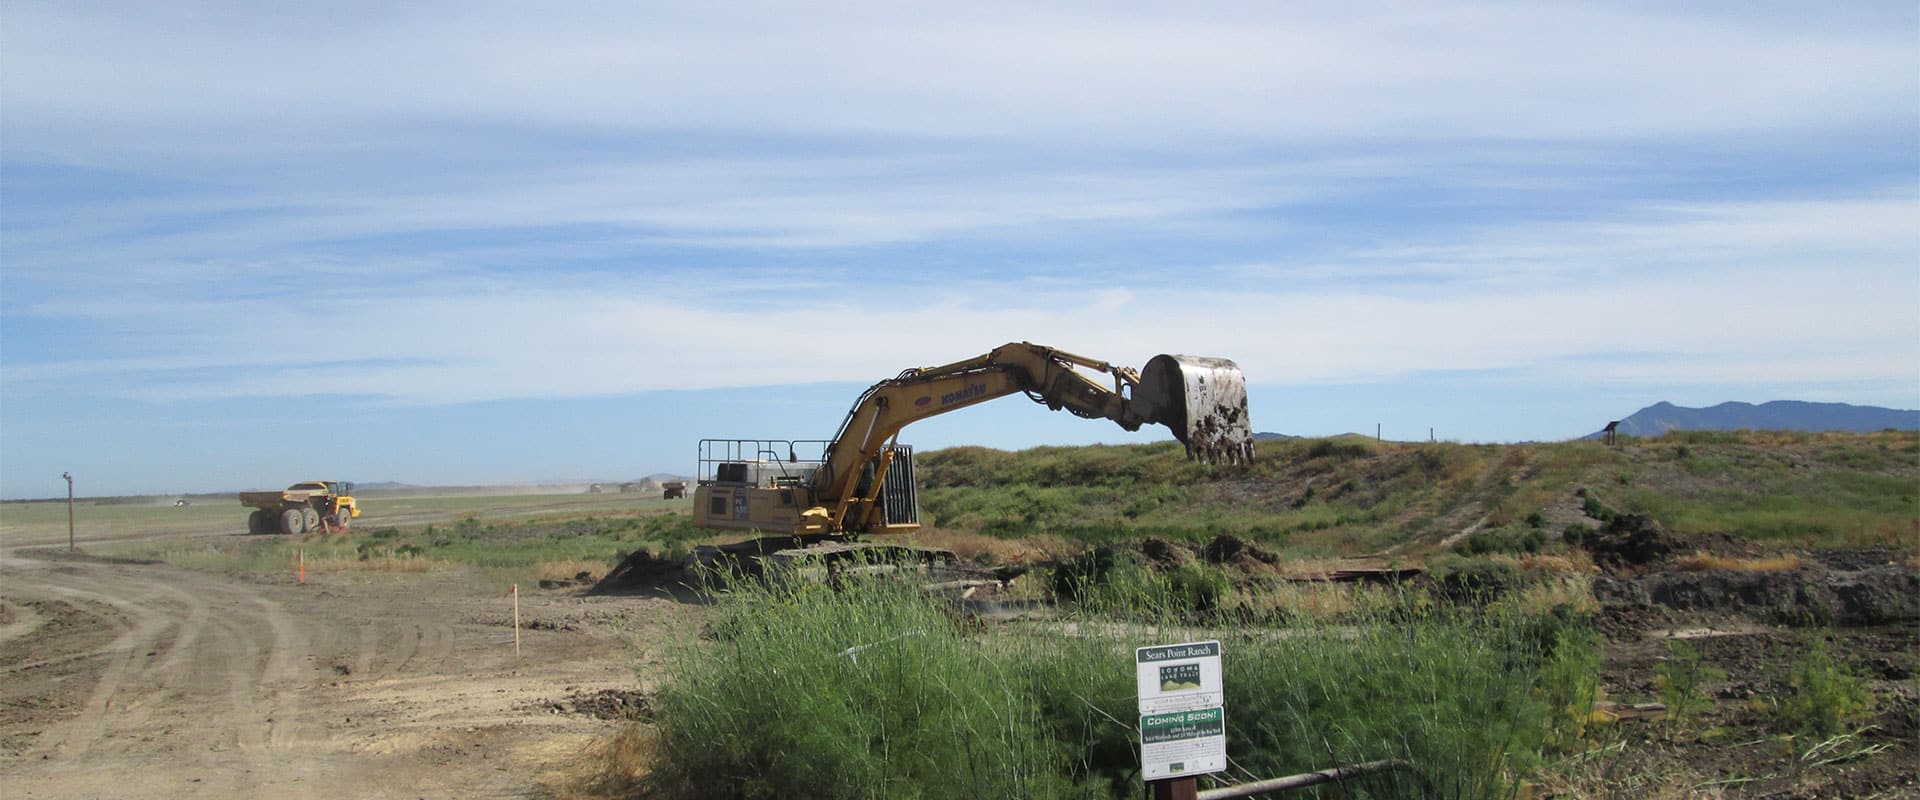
{"type": "Point", "coordinates": [1183, 720]}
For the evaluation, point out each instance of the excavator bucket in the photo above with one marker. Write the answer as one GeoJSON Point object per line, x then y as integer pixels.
{"type": "Point", "coordinates": [1204, 401]}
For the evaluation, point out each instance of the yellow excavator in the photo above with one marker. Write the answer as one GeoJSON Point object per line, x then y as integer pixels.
{"type": "Point", "coordinates": [861, 480]}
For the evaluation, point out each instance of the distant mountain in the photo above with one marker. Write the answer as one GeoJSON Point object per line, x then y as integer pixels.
{"type": "Point", "coordinates": [382, 486]}
{"type": "Point", "coordinates": [1264, 436]}
{"type": "Point", "coordinates": [1790, 415]}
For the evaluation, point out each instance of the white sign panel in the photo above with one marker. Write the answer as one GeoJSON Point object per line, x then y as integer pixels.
{"type": "Point", "coordinates": [1179, 677]}
{"type": "Point", "coordinates": [1183, 743]}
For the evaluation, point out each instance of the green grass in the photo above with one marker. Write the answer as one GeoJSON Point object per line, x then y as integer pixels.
{"type": "Point", "coordinates": [879, 691]}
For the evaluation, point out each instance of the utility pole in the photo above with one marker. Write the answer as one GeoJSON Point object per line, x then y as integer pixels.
{"type": "Point", "coordinates": [69, 477]}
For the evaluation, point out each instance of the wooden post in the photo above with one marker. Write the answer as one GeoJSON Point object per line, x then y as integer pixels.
{"type": "Point", "coordinates": [1176, 789]}
{"type": "Point", "coordinates": [516, 622]}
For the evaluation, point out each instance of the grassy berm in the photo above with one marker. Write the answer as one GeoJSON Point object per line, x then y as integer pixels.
{"type": "Point", "coordinates": [1700, 615]}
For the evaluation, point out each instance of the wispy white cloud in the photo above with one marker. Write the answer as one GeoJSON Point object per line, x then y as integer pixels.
{"type": "Point", "coordinates": [1755, 292]}
{"type": "Point", "coordinates": [234, 81]}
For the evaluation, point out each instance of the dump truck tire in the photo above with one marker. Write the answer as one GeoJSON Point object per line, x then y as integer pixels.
{"type": "Point", "coordinates": [343, 518]}
{"type": "Point", "coordinates": [257, 522]}
{"type": "Point", "coordinates": [312, 518]}
{"type": "Point", "coordinates": [292, 522]}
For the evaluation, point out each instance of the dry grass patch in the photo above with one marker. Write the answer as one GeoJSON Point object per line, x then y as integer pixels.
{"type": "Point", "coordinates": [983, 549]}
{"type": "Point", "coordinates": [1315, 600]}
{"type": "Point", "coordinates": [1707, 562]}
{"type": "Point", "coordinates": [570, 570]}
{"type": "Point", "coordinates": [615, 766]}
{"type": "Point", "coordinates": [383, 560]}
{"type": "Point", "coordinates": [1576, 562]}
{"type": "Point", "coordinates": [1572, 590]}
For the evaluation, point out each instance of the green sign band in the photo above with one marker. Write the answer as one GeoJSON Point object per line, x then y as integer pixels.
{"type": "Point", "coordinates": [1199, 724]}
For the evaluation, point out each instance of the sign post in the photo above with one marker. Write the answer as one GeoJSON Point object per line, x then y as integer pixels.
{"type": "Point", "coordinates": [1183, 720]}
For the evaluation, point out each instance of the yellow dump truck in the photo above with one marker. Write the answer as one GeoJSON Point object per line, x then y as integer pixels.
{"type": "Point", "coordinates": [307, 506]}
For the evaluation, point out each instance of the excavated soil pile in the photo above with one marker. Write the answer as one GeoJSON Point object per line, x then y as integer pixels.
{"type": "Point", "coordinates": [1225, 550]}
{"type": "Point", "coordinates": [1229, 550]}
{"type": "Point", "coordinates": [1815, 593]}
{"type": "Point", "coordinates": [1631, 540]}
{"type": "Point", "coordinates": [1163, 555]}
{"type": "Point", "coordinates": [640, 570]}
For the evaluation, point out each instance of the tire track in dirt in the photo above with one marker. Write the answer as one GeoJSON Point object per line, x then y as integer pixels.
{"type": "Point", "coordinates": [175, 650]}
{"type": "Point", "coordinates": [146, 680]}
{"type": "Point", "coordinates": [26, 619]}
{"type": "Point", "coordinates": [125, 657]}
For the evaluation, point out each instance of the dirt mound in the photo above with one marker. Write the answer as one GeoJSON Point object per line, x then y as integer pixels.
{"type": "Point", "coordinates": [1859, 558]}
{"type": "Point", "coordinates": [1163, 555]}
{"type": "Point", "coordinates": [640, 570]}
{"type": "Point", "coordinates": [1806, 596]}
{"type": "Point", "coordinates": [1230, 550]}
{"type": "Point", "coordinates": [610, 704]}
{"type": "Point", "coordinates": [1631, 540]}
{"type": "Point", "coordinates": [1629, 623]}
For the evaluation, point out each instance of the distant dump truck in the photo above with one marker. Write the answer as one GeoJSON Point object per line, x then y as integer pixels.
{"type": "Point", "coordinates": [673, 489]}
{"type": "Point", "coordinates": [306, 506]}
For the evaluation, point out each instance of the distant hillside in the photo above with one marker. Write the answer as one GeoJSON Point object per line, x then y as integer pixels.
{"type": "Point", "coordinates": [1780, 415]}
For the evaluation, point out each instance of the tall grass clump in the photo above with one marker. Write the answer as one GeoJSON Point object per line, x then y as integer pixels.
{"type": "Point", "coordinates": [870, 691]}
{"type": "Point", "coordinates": [877, 690]}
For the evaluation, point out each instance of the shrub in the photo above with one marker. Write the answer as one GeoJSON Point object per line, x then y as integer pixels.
{"type": "Point", "coordinates": [1569, 684]}
{"type": "Point", "coordinates": [1502, 541]}
{"type": "Point", "coordinates": [1476, 579]}
{"type": "Point", "coordinates": [1825, 696]}
{"type": "Point", "coordinates": [1596, 509]}
{"type": "Point", "coordinates": [1681, 678]}
{"type": "Point", "coordinates": [870, 691]}
{"type": "Point", "coordinates": [1338, 449]}
{"type": "Point", "coordinates": [875, 691]}
{"type": "Point", "coordinates": [1576, 533]}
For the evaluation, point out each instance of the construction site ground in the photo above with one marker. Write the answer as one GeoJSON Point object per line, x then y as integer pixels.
{"type": "Point", "coordinates": [138, 680]}
{"type": "Point", "coordinates": [125, 679]}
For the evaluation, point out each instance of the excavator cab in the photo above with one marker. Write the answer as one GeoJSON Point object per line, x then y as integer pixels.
{"type": "Point", "coordinates": [1203, 401]}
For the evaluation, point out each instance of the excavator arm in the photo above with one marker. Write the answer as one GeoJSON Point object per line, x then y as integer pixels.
{"type": "Point", "coordinates": [1203, 400]}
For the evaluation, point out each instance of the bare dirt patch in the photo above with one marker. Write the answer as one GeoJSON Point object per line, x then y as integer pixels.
{"type": "Point", "coordinates": [143, 680]}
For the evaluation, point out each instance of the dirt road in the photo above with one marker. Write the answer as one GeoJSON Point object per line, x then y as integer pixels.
{"type": "Point", "coordinates": [143, 680]}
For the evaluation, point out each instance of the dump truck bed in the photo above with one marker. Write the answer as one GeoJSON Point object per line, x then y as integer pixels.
{"type": "Point", "coordinates": [278, 500]}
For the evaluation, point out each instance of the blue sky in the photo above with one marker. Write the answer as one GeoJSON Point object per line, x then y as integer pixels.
{"type": "Point", "coordinates": [489, 243]}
